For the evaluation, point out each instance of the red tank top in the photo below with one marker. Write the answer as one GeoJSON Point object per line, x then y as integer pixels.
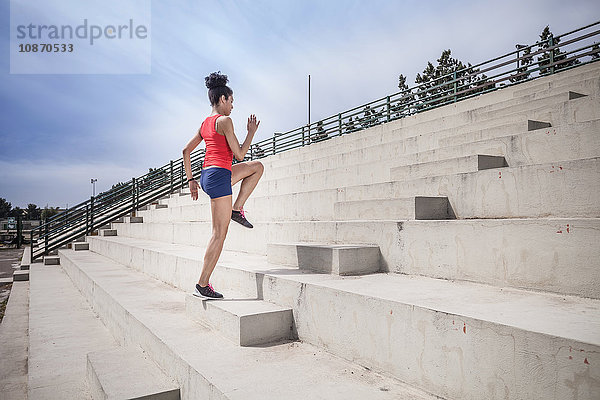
{"type": "Point", "coordinates": [218, 152]}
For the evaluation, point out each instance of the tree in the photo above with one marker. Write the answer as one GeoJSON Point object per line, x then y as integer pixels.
{"type": "Point", "coordinates": [404, 104]}
{"type": "Point", "coordinates": [451, 77]}
{"type": "Point", "coordinates": [33, 212]}
{"type": "Point", "coordinates": [49, 212]}
{"type": "Point", "coordinates": [522, 74]}
{"type": "Point", "coordinates": [546, 37]}
{"type": "Point", "coordinates": [17, 212]}
{"type": "Point", "coordinates": [5, 208]}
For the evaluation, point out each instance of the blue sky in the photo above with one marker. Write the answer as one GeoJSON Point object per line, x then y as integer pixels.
{"type": "Point", "coordinates": [58, 131]}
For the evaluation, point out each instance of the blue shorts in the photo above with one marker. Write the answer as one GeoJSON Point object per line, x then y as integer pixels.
{"type": "Point", "coordinates": [216, 182]}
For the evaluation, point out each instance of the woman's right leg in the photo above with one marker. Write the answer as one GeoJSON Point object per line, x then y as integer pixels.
{"type": "Point", "coordinates": [221, 216]}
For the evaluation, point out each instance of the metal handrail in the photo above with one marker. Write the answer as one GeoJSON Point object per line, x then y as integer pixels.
{"type": "Point", "coordinates": [506, 70]}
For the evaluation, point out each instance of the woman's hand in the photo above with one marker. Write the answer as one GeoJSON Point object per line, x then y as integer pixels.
{"type": "Point", "coordinates": [194, 189]}
{"type": "Point", "coordinates": [252, 124]}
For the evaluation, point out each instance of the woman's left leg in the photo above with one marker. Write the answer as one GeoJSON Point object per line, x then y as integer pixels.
{"type": "Point", "coordinates": [249, 173]}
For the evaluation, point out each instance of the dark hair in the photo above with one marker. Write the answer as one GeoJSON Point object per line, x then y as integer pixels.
{"type": "Point", "coordinates": [217, 87]}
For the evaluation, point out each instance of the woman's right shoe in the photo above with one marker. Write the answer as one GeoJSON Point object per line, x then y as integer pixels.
{"type": "Point", "coordinates": [240, 218]}
{"type": "Point", "coordinates": [207, 292]}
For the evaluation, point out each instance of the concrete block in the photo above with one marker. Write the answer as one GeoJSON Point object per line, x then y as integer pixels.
{"type": "Point", "coordinates": [247, 322]}
{"type": "Point", "coordinates": [25, 267]}
{"type": "Point", "coordinates": [108, 232]}
{"type": "Point", "coordinates": [51, 260]}
{"type": "Point", "coordinates": [446, 167]}
{"type": "Point", "coordinates": [119, 220]}
{"type": "Point", "coordinates": [534, 125]}
{"type": "Point", "coordinates": [158, 206]}
{"type": "Point", "coordinates": [134, 220]}
{"type": "Point", "coordinates": [419, 207]}
{"type": "Point", "coordinates": [334, 259]}
{"type": "Point", "coordinates": [575, 95]}
{"type": "Point", "coordinates": [122, 373]}
{"type": "Point", "coordinates": [81, 246]}
{"type": "Point", "coordinates": [20, 275]}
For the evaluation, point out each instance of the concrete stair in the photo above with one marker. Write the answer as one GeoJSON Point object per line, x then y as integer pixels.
{"type": "Point", "coordinates": [51, 260]}
{"type": "Point", "coordinates": [460, 165]}
{"type": "Point", "coordinates": [140, 310]}
{"type": "Point", "coordinates": [246, 322]}
{"type": "Point", "coordinates": [81, 246]}
{"type": "Point", "coordinates": [406, 208]}
{"type": "Point", "coordinates": [337, 259]}
{"type": "Point", "coordinates": [20, 275]}
{"type": "Point", "coordinates": [479, 322]}
{"type": "Point", "coordinates": [127, 374]}
{"type": "Point", "coordinates": [451, 254]}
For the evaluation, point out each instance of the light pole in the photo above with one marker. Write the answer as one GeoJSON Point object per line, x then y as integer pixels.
{"type": "Point", "coordinates": [93, 182]}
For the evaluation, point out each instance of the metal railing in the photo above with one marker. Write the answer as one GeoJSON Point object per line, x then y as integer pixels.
{"type": "Point", "coordinates": [542, 58]}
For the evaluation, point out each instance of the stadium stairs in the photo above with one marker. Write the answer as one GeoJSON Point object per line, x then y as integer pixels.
{"type": "Point", "coordinates": [451, 254]}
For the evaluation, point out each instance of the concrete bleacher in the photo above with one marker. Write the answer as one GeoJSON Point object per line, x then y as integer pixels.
{"type": "Point", "coordinates": [451, 254]}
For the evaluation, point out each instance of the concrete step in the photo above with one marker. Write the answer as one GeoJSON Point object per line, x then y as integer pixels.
{"type": "Point", "coordinates": [119, 220]}
{"type": "Point", "coordinates": [558, 111]}
{"type": "Point", "coordinates": [519, 192]}
{"type": "Point", "coordinates": [419, 207]}
{"type": "Point", "coordinates": [336, 259]}
{"type": "Point", "coordinates": [245, 321]}
{"type": "Point", "coordinates": [152, 315]}
{"type": "Point", "coordinates": [397, 324]}
{"type": "Point", "coordinates": [372, 174]}
{"type": "Point", "coordinates": [20, 275]}
{"type": "Point", "coordinates": [81, 246]}
{"type": "Point", "coordinates": [14, 336]}
{"type": "Point", "coordinates": [571, 78]}
{"type": "Point", "coordinates": [51, 260]}
{"type": "Point", "coordinates": [548, 254]}
{"type": "Point", "coordinates": [134, 220]}
{"type": "Point", "coordinates": [450, 166]}
{"type": "Point", "coordinates": [125, 373]}
{"type": "Point", "coordinates": [108, 232]}
{"type": "Point", "coordinates": [158, 206]}
{"type": "Point", "coordinates": [63, 329]}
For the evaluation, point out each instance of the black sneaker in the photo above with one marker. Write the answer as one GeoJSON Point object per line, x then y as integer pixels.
{"type": "Point", "coordinates": [207, 292]}
{"type": "Point", "coordinates": [240, 218]}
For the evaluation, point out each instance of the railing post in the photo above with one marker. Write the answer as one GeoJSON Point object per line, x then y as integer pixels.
{"type": "Point", "coordinates": [182, 175]}
{"type": "Point", "coordinates": [455, 85]}
{"type": "Point", "coordinates": [92, 213]}
{"type": "Point", "coordinates": [303, 137]}
{"type": "Point", "coordinates": [87, 218]}
{"type": "Point", "coordinates": [132, 196]}
{"type": "Point", "coordinates": [274, 143]}
{"type": "Point", "coordinates": [46, 237]}
{"type": "Point", "coordinates": [340, 123]}
{"type": "Point", "coordinates": [551, 43]}
{"type": "Point", "coordinates": [171, 173]}
{"type": "Point", "coordinates": [31, 244]}
{"type": "Point", "coordinates": [389, 108]}
{"type": "Point", "coordinates": [19, 231]}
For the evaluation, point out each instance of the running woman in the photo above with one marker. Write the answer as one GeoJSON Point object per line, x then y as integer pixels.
{"type": "Point", "coordinates": [219, 175]}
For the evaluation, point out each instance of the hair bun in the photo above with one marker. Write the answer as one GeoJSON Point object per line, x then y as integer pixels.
{"type": "Point", "coordinates": [216, 79]}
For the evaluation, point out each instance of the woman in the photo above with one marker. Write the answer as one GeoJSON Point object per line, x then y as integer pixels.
{"type": "Point", "coordinates": [218, 175]}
